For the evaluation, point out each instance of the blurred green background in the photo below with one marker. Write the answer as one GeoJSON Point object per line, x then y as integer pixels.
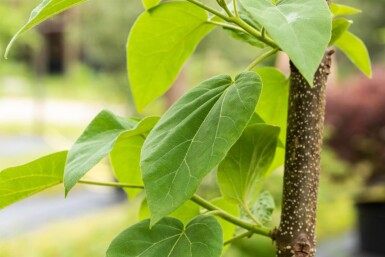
{"type": "Point", "coordinates": [60, 75]}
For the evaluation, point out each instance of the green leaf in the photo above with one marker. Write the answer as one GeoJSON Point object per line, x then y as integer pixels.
{"type": "Point", "coordinates": [301, 28]}
{"type": "Point", "coordinates": [43, 11]}
{"type": "Point", "coordinates": [150, 3]}
{"type": "Point", "coordinates": [273, 108]}
{"type": "Point", "coordinates": [160, 42]}
{"type": "Point", "coordinates": [279, 160]}
{"type": "Point", "coordinates": [227, 227]}
{"type": "Point", "coordinates": [125, 160]}
{"type": "Point", "coordinates": [273, 103]}
{"type": "Point", "coordinates": [193, 136]}
{"type": "Point", "coordinates": [97, 141]}
{"type": "Point", "coordinates": [169, 238]}
{"type": "Point", "coordinates": [356, 51]}
{"type": "Point", "coordinates": [185, 213]}
{"type": "Point", "coordinates": [341, 10]}
{"type": "Point", "coordinates": [242, 172]}
{"type": "Point", "coordinates": [19, 182]}
{"type": "Point", "coordinates": [340, 26]}
{"type": "Point", "coordinates": [264, 207]}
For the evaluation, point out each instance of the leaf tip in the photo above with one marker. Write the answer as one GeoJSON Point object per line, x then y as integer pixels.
{"type": "Point", "coordinates": [10, 44]}
{"type": "Point", "coordinates": [369, 73]}
{"type": "Point", "coordinates": [68, 185]}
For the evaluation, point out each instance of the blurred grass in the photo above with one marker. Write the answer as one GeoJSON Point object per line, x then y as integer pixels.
{"type": "Point", "coordinates": [88, 235]}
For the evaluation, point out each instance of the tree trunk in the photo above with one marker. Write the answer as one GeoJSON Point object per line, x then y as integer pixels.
{"type": "Point", "coordinates": [295, 236]}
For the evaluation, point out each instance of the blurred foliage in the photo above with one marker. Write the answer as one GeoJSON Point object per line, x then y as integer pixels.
{"type": "Point", "coordinates": [103, 39]}
{"type": "Point", "coordinates": [11, 24]}
{"type": "Point", "coordinates": [356, 113]}
{"type": "Point", "coordinates": [84, 236]}
{"type": "Point", "coordinates": [369, 26]}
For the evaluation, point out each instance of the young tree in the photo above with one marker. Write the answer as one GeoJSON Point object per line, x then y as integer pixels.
{"type": "Point", "coordinates": [233, 124]}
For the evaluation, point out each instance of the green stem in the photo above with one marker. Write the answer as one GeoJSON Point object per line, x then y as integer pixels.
{"type": "Point", "coordinates": [240, 236]}
{"type": "Point", "coordinates": [109, 184]}
{"type": "Point", "coordinates": [226, 8]}
{"type": "Point", "coordinates": [263, 32]}
{"type": "Point", "coordinates": [210, 10]}
{"type": "Point", "coordinates": [259, 59]}
{"type": "Point", "coordinates": [251, 216]}
{"type": "Point", "coordinates": [235, 19]}
{"type": "Point", "coordinates": [235, 8]}
{"type": "Point", "coordinates": [200, 201]}
{"type": "Point", "coordinates": [225, 25]}
{"type": "Point", "coordinates": [230, 218]}
{"type": "Point", "coordinates": [252, 31]}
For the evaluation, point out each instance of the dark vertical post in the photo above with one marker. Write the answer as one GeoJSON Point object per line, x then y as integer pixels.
{"type": "Point", "coordinates": [295, 236]}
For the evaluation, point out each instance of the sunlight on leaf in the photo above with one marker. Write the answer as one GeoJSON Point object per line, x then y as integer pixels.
{"type": "Point", "coordinates": [17, 183]}
{"type": "Point", "coordinates": [160, 42]}
{"type": "Point", "coordinates": [356, 51]}
{"type": "Point", "coordinates": [341, 10]}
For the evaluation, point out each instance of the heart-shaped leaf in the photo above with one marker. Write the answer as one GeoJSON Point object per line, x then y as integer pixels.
{"type": "Point", "coordinates": [97, 141]}
{"type": "Point", "coordinates": [356, 51]}
{"type": "Point", "coordinates": [193, 136]}
{"type": "Point", "coordinates": [301, 28]}
{"type": "Point", "coordinates": [43, 11]}
{"type": "Point", "coordinates": [242, 172]}
{"type": "Point", "coordinates": [160, 42]}
{"type": "Point", "coordinates": [169, 238]}
{"type": "Point", "coordinates": [19, 182]}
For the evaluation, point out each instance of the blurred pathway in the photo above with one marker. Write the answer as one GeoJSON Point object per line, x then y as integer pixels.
{"type": "Point", "coordinates": [52, 111]}
{"type": "Point", "coordinates": [39, 210]}
{"type": "Point", "coordinates": [344, 246]}
{"type": "Point", "coordinates": [29, 114]}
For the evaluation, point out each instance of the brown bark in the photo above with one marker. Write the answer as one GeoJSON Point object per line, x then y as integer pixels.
{"type": "Point", "coordinates": [295, 236]}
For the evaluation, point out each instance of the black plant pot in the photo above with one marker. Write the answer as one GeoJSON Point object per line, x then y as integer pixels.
{"type": "Point", "coordinates": [371, 227]}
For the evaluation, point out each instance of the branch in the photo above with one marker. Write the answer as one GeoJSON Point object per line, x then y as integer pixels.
{"type": "Point", "coordinates": [259, 59]}
{"type": "Point", "coordinates": [230, 218]}
{"type": "Point", "coordinates": [240, 236]}
{"type": "Point", "coordinates": [109, 184]}
{"type": "Point", "coordinates": [226, 25]}
{"type": "Point", "coordinates": [236, 20]}
{"type": "Point", "coordinates": [210, 10]}
{"type": "Point", "coordinates": [202, 202]}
